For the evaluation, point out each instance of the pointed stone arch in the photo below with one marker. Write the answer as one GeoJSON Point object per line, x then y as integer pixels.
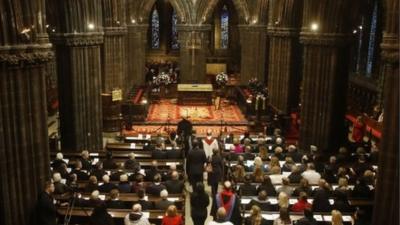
{"type": "Point", "coordinates": [205, 8]}
{"type": "Point", "coordinates": [139, 12]}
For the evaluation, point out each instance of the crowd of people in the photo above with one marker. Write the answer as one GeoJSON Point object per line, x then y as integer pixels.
{"type": "Point", "coordinates": [255, 166]}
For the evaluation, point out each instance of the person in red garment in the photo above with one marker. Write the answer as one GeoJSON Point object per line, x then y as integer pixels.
{"type": "Point", "coordinates": [171, 217]}
{"type": "Point", "coordinates": [358, 130]}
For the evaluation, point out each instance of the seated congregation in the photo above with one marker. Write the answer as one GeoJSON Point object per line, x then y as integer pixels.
{"type": "Point", "coordinates": [254, 179]}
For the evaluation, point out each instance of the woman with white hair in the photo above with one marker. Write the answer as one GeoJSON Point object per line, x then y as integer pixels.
{"type": "Point", "coordinates": [131, 163]}
{"type": "Point", "coordinates": [124, 186]}
{"type": "Point", "coordinates": [136, 217]}
{"type": "Point", "coordinates": [58, 161]}
{"type": "Point", "coordinates": [94, 200]}
{"type": "Point", "coordinates": [59, 187]}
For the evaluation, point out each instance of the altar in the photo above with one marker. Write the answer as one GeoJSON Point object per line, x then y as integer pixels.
{"type": "Point", "coordinates": [200, 94]}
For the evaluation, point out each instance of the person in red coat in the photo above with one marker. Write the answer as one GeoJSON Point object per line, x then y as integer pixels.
{"type": "Point", "coordinates": [301, 204]}
{"type": "Point", "coordinates": [171, 217]}
{"type": "Point", "coordinates": [358, 130]}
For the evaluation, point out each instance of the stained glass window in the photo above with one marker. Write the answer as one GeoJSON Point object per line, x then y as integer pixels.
{"type": "Point", "coordinates": [224, 27]}
{"type": "Point", "coordinates": [174, 33]}
{"type": "Point", "coordinates": [372, 40]}
{"type": "Point", "coordinates": [155, 30]}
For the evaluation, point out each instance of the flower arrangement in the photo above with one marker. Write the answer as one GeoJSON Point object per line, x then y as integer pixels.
{"type": "Point", "coordinates": [255, 86]}
{"type": "Point", "coordinates": [221, 79]}
{"type": "Point", "coordinates": [162, 79]}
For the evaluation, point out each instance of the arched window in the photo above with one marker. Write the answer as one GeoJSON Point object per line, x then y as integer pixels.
{"type": "Point", "coordinates": [224, 27]}
{"type": "Point", "coordinates": [368, 38]}
{"type": "Point", "coordinates": [174, 33]}
{"type": "Point", "coordinates": [372, 40]}
{"type": "Point", "coordinates": [155, 30]}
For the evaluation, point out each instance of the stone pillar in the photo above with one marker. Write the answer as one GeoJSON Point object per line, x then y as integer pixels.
{"type": "Point", "coordinates": [165, 12]}
{"type": "Point", "coordinates": [325, 38]}
{"type": "Point", "coordinates": [24, 150]}
{"type": "Point", "coordinates": [284, 71]}
{"type": "Point", "coordinates": [136, 54]}
{"type": "Point", "coordinates": [79, 85]}
{"type": "Point", "coordinates": [193, 51]}
{"type": "Point", "coordinates": [114, 57]}
{"type": "Point", "coordinates": [284, 68]}
{"type": "Point", "coordinates": [253, 39]}
{"type": "Point", "coordinates": [114, 48]}
{"type": "Point", "coordinates": [325, 77]}
{"type": "Point", "coordinates": [387, 189]}
{"type": "Point", "coordinates": [78, 36]}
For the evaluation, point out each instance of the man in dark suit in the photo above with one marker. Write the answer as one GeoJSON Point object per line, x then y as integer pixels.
{"type": "Point", "coordinates": [143, 200]}
{"type": "Point", "coordinates": [46, 211]}
{"type": "Point", "coordinates": [152, 171]}
{"type": "Point", "coordinates": [107, 186]}
{"type": "Point", "coordinates": [247, 189]}
{"type": "Point", "coordinates": [164, 202]}
{"type": "Point", "coordinates": [114, 202]}
{"type": "Point", "coordinates": [195, 163]}
{"type": "Point", "coordinates": [158, 152]}
{"type": "Point", "coordinates": [184, 127]}
{"type": "Point", "coordinates": [174, 186]}
{"type": "Point", "coordinates": [81, 175]}
{"type": "Point", "coordinates": [156, 187]}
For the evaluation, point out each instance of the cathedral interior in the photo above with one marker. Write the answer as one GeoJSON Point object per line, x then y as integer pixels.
{"type": "Point", "coordinates": [90, 65]}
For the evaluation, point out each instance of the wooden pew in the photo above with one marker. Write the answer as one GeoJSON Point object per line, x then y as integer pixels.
{"type": "Point", "coordinates": [81, 215]}
{"type": "Point", "coordinates": [127, 198]}
{"type": "Point", "coordinates": [322, 218]}
{"type": "Point", "coordinates": [245, 200]}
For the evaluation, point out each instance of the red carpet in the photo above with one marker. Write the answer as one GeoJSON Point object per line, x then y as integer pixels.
{"type": "Point", "coordinates": [167, 110]}
{"type": "Point", "coordinates": [200, 130]}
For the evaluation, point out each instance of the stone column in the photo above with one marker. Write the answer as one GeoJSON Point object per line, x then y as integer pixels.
{"type": "Point", "coordinates": [114, 57]}
{"type": "Point", "coordinates": [79, 82]}
{"type": "Point", "coordinates": [114, 48]}
{"type": "Point", "coordinates": [253, 39]}
{"type": "Point", "coordinates": [325, 77]}
{"type": "Point", "coordinates": [284, 68]}
{"type": "Point", "coordinates": [325, 38]}
{"type": "Point", "coordinates": [136, 54]}
{"type": "Point", "coordinates": [24, 150]}
{"type": "Point", "coordinates": [78, 36]}
{"type": "Point", "coordinates": [193, 51]}
{"type": "Point", "coordinates": [387, 189]}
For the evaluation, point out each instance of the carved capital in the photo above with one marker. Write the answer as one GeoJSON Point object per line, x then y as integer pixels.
{"type": "Point", "coordinates": [133, 28]}
{"type": "Point", "coordinates": [390, 46]}
{"type": "Point", "coordinates": [193, 27]}
{"type": "Point", "coordinates": [283, 32]}
{"type": "Point", "coordinates": [253, 28]}
{"type": "Point", "coordinates": [25, 54]}
{"type": "Point", "coordinates": [78, 39]}
{"type": "Point", "coordinates": [324, 39]}
{"type": "Point", "coordinates": [115, 31]}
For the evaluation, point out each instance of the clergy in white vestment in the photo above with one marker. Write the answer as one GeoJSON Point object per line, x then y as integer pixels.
{"type": "Point", "coordinates": [209, 143]}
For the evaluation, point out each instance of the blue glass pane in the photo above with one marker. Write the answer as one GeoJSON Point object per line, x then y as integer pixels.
{"type": "Point", "coordinates": [224, 28]}
{"type": "Point", "coordinates": [155, 30]}
{"type": "Point", "coordinates": [372, 41]}
{"type": "Point", "coordinates": [174, 33]}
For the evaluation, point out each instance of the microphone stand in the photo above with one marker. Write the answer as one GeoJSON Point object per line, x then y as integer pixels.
{"type": "Point", "coordinates": [70, 209]}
